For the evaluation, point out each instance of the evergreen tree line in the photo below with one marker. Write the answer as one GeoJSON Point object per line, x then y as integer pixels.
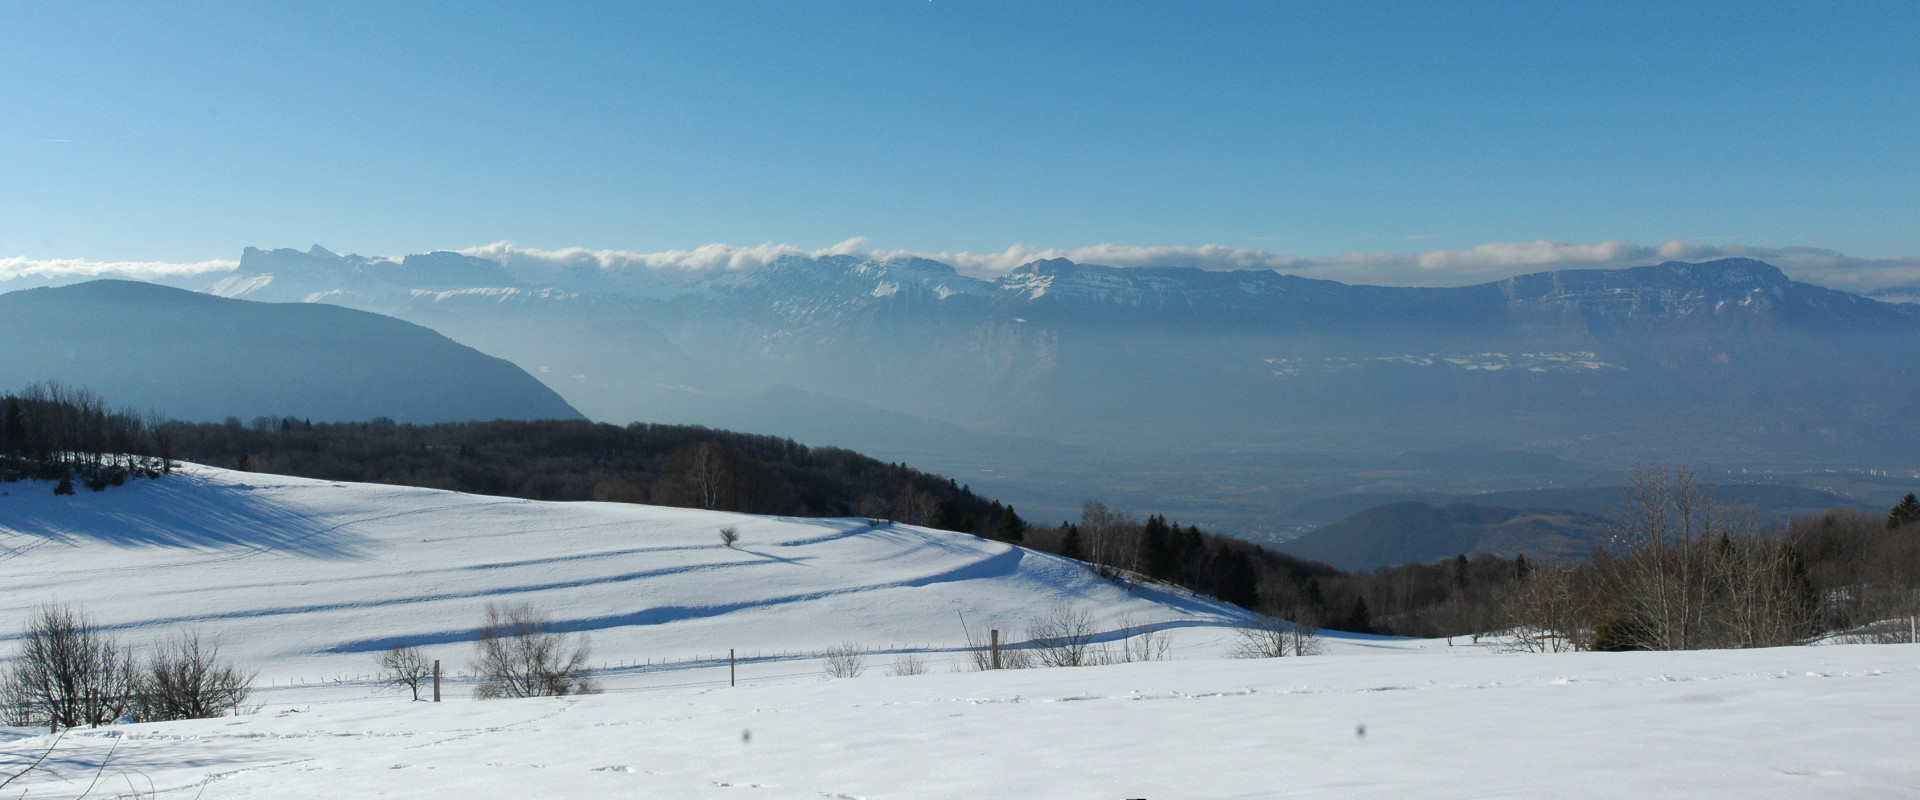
{"type": "Point", "coordinates": [59, 433]}
{"type": "Point", "coordinates": [675, 465]}
{"type": "Point", "coordinates": [1124, 548]}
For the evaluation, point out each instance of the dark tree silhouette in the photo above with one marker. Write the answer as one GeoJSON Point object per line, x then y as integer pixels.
{"type": "Point", "coordinates": [1907, 512]}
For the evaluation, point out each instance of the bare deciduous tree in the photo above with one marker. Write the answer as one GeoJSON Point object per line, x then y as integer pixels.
{"type": "Point", "coordinates": [1112, 539]}
{"type": "Point", "coordinates": [184, 678]}
{"type": "Point", "coordinates": [405, 666]}
{"type": "Point", "coordinates": [1685, 571]}
{"type": "Point", "coordinates": [729, 535]}
{"type": "Point", "coordinates": [520, 652]}
{"type": "Point", "coordinates": [67, 673]}
{"type": "Point", "coordinates": [1546, 610]}
{"type": "Point", "coordinates": [915, 506]}
{"type": "Point", "coordinates": [845, 660]}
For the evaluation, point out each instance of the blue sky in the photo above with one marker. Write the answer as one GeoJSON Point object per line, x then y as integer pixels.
{"type": "Point", "coordinates": [143, 132]}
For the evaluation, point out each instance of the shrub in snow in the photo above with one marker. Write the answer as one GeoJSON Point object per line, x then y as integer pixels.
{"type": "Point", "coordinates": [1064, 637]}
{"type": "Point", "coordinates": [185, 679]}
{"type": "Point", "coordinates": [908, 664]}
{"type": "Point", "coordinates": [845, 661]}
{"type": "Point", "coordinates": [1264, 636]}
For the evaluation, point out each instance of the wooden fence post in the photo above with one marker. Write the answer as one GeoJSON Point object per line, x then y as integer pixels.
{"type": "Point", "coordinates": [993, 648]}
{"type": "Point", "coordinates": [730, 666]}
{"type": "Point", "coordinates": [436, 680]}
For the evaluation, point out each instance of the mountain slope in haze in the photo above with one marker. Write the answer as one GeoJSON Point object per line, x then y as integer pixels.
{"type": "Point", "coordinates": [1415, 532]}
{"type": "Point", "coordinates": [1767, 502]}
{"type": "Point", "coordinates": [1604, 361]}
{"type": "Point", "coordinates": [193, 356]}
{"type": "Point", "coordinates": [1376, 530]}
{"type": "Point", "coordinates": [1145, 372]}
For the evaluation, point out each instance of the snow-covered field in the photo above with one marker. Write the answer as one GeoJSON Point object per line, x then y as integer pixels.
{"type": "Point", "coordinates": [305, 579]}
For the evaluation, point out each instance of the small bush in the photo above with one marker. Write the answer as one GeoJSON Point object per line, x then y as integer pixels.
{"type": "Point", "coordinates": [1064, 637]}
{"type": "Point", "coordinates": [185, 679]}
{"type": "Point", "coordinates": [908, 664]}
{"type": "Point", "coordinates": [845, 661]}
{"type": "Point", "coordinates": [729, 535]}
{"type": "Point", "coordinates": [1143, 643]}
{"type": "Point", "coordinates": [1624, 631]}
{"type": "Point", "coordinates": [1266, 636]}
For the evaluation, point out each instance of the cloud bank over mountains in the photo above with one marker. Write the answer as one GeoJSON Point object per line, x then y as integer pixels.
{"type": "Point", "coordinates": [1486, 262]}
{"type": "Point", "coordinates": [58, 268]}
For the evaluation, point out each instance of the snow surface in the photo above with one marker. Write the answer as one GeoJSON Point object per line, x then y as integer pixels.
{"type": "Point", "coordinates": [304, 579]}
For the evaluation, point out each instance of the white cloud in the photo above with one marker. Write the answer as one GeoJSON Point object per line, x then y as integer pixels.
{"type": "Point", "coordinates": [700, 259]}
{"type": "Point", "coordinates": [69, 268]}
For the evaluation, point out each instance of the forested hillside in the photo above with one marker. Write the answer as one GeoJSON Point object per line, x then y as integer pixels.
{"type": "Point", "coordinates": [673, 465]}
{"type": "Point", "coordinates": [57, 433]}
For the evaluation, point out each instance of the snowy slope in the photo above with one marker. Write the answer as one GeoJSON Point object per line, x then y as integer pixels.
{"type": "Point", "coordinates": [300, 578]}
{"type": "Point", "coordinates": [304, 579]}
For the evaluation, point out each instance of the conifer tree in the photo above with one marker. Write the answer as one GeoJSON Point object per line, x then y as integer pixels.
{"type": "Point", "coordinates": [1360, 620]}
{"type": "Point", "coordinates": [1158, 542]}
{"type": "Point", "coordinates": [1906, 513]}
{"type": "Point", "coordinates": [1009, 527]}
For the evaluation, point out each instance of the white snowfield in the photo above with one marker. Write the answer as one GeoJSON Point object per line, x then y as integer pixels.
{"type": "Point", "coordinates": [305, 580]}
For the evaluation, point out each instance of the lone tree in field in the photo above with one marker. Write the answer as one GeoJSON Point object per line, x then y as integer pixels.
{"type": "Point", "coordinates": [405, 666]}
{"type": "Point", "coordinates": [520, 652]}
{"type": "Point", "coordinates": [729, 535]}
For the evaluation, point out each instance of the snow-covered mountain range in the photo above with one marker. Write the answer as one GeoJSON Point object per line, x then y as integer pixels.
{"type": "Point", "coordinates": [1060, 381]}
{"type": "Point", "coordinates": [1727, 354]}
